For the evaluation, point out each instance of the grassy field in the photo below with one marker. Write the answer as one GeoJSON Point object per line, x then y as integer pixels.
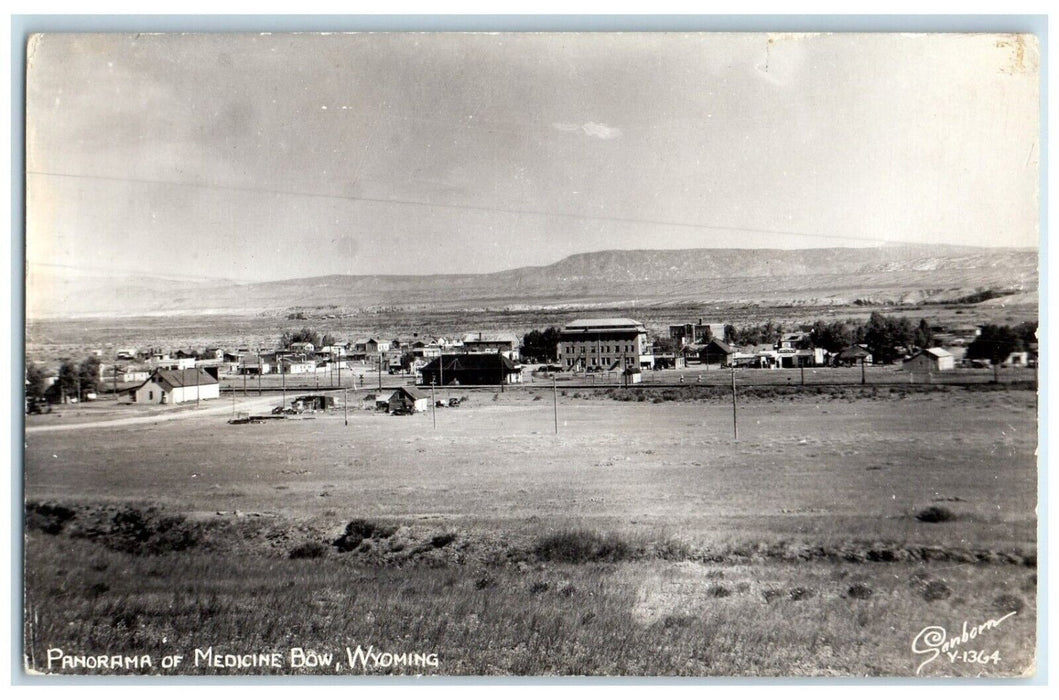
{"type": "Point", "coordinates": [641, 539]}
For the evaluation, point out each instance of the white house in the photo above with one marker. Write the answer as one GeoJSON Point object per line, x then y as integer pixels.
{"type": "Point", "coordinates": [297, 365]}
{"type": "Point", "coordinates": [168, 386]}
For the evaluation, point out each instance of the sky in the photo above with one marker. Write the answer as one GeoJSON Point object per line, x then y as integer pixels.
{"type": "Point", "coordinates": [260, 157]}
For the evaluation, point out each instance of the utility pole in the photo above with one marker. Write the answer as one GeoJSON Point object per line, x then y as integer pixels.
{"type": "Point", "coordinates": [735, 421]}
{"type": "Point", "coordinates": [345, 407]}
{"type": "Point", "coordinates": [380, 371]}
{"type": "Point", "coordinates": [863, 372]}
{"type": "Point", "coordinates": [433, 407]}
{"type": "Point", "coordinates": [196, 371]}
{"type": "Point", "coordinates": [803, 374]}
{"type": "Point", "coordinates": [260, 369]}
{"type": "Point", "coordinates": [283, 382]}
{"type": "Point", "coordinates": [555, 403]}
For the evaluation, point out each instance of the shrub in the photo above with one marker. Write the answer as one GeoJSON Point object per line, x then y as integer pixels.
{"type": "Point", "coordinates": [361, 527]}
{"type": "Point", "coordinates": [718, 591]}
{"type": "Point", "coordinates": [580, 546]}
{"type": "Point", "coordinates": [309, 550]}
{"type": "Point", "coordinates": [935, 514]}
{"type": "Point", "coordinates": [347, 542]}
{"type": "Point", "coordinates": [485, 582]}
{"type": "Point", "coordinates": [439, 541]}
{"type": "Point", "coordinates": [48, 518]}
{"type": "Point", "coordinates": [538, 587]}
{"type": "Point", "coordinates": [936, 590]}
{"type": "Point", "coordinates": [358, 530]}
{"type": "Point", "coordinates": [859, 591]}
{"type": "Point", "coordinates": [799, 593]}
{"type": "Point", "coordinates": [1008, 602]}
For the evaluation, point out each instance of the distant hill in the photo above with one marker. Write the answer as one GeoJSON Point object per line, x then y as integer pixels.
{"type": "Point", "coordinates": [613, 278]}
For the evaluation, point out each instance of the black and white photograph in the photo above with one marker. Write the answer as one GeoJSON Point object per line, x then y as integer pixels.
{"type": "Point", "coordinates": [517, 354]}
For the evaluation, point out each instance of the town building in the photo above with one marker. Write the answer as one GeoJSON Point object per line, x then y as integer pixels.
{"type": "Point", "coordinates": [470, 369]}
{"type": "Point", "coordinates": [506, 344]}
{"type": "Point", "coordinates": [696, 333]}
{"type": "Point", "coordinates": [297, 364]}
{"type": "Point", "coordinates": [596, 343]}
{"type": "Point", "coordinates": [408, 399]}
{"type": "Point", "coordinates": [854, 355]}
{"type": "Point", "coordinates": [930, 360]}
{"type": "Point", "coordinates": [167, 386]}
{"type": "Point", "coordinates": [716, 352]}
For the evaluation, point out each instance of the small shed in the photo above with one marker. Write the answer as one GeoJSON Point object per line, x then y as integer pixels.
{"type": "Point", "coordinates": [632, 375]}
{"type": "Point", "coordinates": [408, 399]}
{"type": "Point", "coordinates": [314, 402]}
{"type": "Point", "coordinates": [854, 355]}
{"type": "Point", "coordinates": [930, 360]}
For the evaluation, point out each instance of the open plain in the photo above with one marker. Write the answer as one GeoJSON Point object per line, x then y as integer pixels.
{"type": "Point", "coordinates": [640, 539]}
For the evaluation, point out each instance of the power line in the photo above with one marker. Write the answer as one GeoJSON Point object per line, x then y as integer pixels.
{"type": "Point", "coordinates": [467, 207]}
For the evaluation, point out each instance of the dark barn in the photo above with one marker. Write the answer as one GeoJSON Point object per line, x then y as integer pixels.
{"type": "Point", "coordinates": [472, 368]}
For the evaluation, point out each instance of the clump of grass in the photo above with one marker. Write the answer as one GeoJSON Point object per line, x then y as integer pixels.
{"type": "Point", "coordinates": [484, 582]}
{"type": "Point", "coordinates": [859, 591]}
{"type": "Point", "coordinates": [675, 621]}
{"type": "Point", "coordinates": [47, 517]}
{"type": "Point", "coordinates": [1008, 602]}
{"type": "Point", "coordinates": [308, 550]}
{"type": "Point", "coordinates": [718, 591]}
{"type": "Point", "coordinates": [538, 587]}
{"type": "Point", "coordinates": [936, 590]}
{"type": "Point", "coordinates": [800, 593]}
{"type": "Point", "coordinates": [935, 514]}
{"type": "Point", "coordinates": [439, 541]}
{"type": "Point", "coordinates": [358, 530]}
{"type": "Point", "coordinates": [580, 546]}
{"type": "Point", "coordinates": [772, 594]}
{"type": "Point", "coordinates": [145, 532]}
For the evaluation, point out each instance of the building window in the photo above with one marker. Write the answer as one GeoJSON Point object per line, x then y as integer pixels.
{"type": "Point", "coordinates": [150, 396]}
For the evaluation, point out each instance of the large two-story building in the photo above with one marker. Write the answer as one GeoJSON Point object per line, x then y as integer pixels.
{"type": "Point", "coordinates": [604, 343]}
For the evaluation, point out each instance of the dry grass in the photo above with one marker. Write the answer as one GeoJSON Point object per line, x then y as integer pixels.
{"type": "Point", "coordinates": [630, 618]}
{"type": "Point", "coordinates": [642, 540]}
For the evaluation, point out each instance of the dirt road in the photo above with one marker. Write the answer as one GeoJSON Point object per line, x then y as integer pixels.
{"type": "Point", "coordinates": [221, 408]}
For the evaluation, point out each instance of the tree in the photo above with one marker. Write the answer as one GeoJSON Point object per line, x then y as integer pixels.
{"type": "Point", "coordinates": [34, 380]}
{"type": "Point", "coordinates": [995, 344]}
{"type": "Point", "coordinates": [305, 335]}
{"type": "Point", "coordinates": [923, 337]}
{"type": "Point", "coordinates": [88, 372]}
{"type": "Point", "coordinates": [67, 382]}
{"type": "Point", "coordinates": [666, 345]}
{"type": "Point", "coordinates": [884, 334]}
{"type": "Point", "coordinates": [541, 346]}
{"type": "Point", "coordinates": [833, 337]}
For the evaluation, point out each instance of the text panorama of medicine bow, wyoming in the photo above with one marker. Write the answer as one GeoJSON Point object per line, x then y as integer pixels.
{"type": "Point", "coordinates": [584, 354]}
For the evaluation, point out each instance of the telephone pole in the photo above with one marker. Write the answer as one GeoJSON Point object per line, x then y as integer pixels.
{"type": "Point", "coordinates": [735, 421]}
{"type": "Point", "coordinates": [555, 403]}
{"type": "Point", "coordinates": [433, 407]}
{"type": "Point", "coordinates": [345, 407]}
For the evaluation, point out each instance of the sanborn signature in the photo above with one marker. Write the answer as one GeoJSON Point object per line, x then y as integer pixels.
{"type": "Point", "coordinates": [936, 641]}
